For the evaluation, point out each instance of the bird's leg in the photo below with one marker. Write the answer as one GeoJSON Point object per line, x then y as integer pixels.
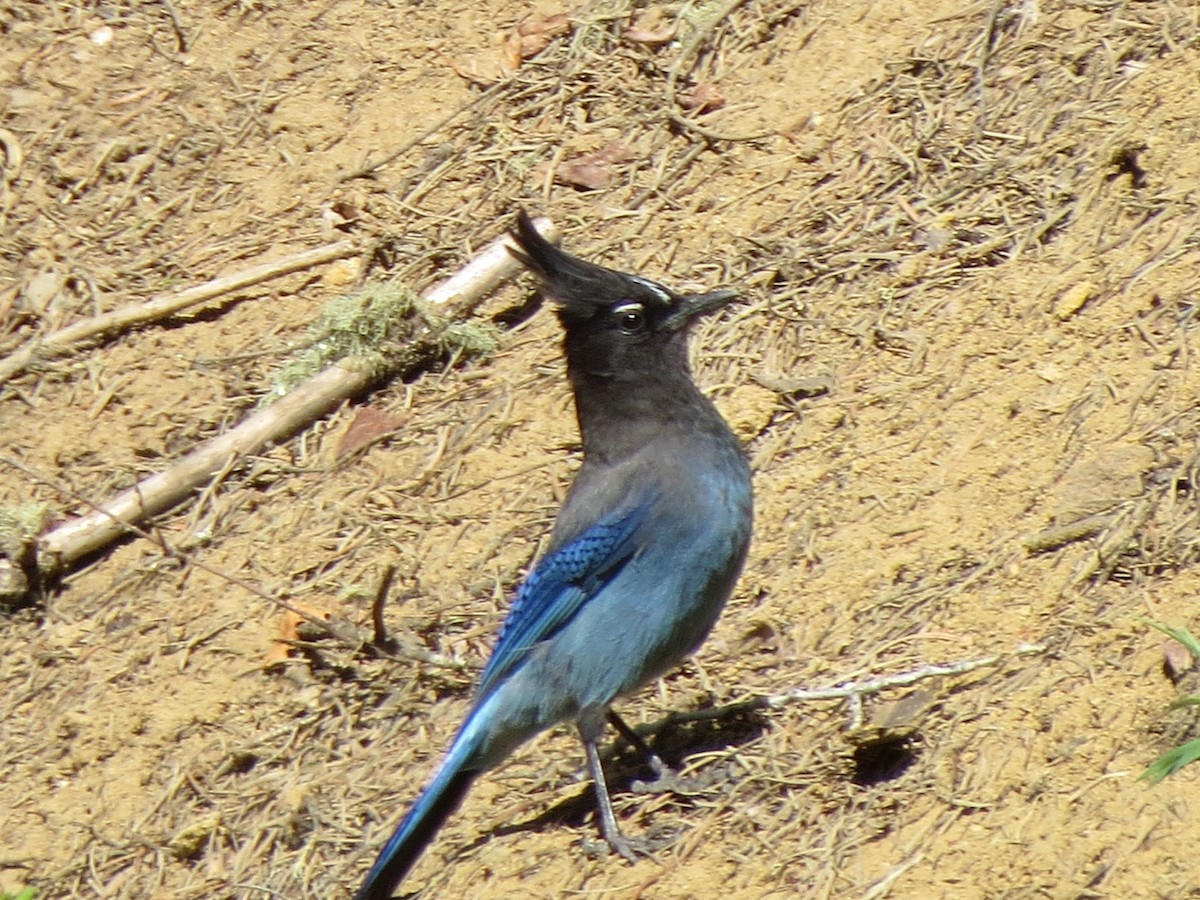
{"type": "Point", "coordinates": [635, 740]}
{"type": "Point", "coordinates": [591, 728]}
{"type": "Point", "coordinates": [665, 778]}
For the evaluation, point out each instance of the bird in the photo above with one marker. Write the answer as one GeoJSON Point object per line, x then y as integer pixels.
{"type": "Point", "coordinates": [643, 554]}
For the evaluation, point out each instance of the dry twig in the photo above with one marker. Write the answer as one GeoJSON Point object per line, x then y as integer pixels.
{"type": "Point", "coordinates": [853, 692]}
{"type": "Point", "coordinates": [683, 65]}
{"type": "Point", "coordinates": [64, 340]}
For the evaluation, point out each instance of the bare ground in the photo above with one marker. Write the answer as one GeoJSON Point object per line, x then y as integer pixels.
{"type": "Point", "coordinates": [968, 239]}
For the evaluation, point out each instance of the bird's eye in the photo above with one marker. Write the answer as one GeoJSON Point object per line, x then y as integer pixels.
{"type": "Point", "coordinates": [630, 317]}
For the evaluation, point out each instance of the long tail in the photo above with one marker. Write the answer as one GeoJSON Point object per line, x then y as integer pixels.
{"type": "Point", "coordinates": [427, 815]}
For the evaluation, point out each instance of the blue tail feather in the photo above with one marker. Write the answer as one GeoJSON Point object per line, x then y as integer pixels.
{"type": "Point", "coordinates": [414, 833]}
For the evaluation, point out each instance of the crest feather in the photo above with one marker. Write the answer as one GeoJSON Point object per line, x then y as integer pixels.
{"type": "Point", "coordinates": [580, 288]}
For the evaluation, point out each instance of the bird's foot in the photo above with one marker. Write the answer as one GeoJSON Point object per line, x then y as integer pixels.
{"type": "Point", "coordinates": [629, 849]}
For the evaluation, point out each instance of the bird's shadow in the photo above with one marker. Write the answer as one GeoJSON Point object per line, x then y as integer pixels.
{"type": "Point", "coordinates": [673, 739]}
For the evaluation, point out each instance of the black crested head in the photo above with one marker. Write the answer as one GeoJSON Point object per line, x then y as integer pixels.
{"type": "Point", "coordinates": [617, 325]}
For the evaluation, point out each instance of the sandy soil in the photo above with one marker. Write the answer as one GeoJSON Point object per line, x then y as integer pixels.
{"type": "Point", "coordinates": [968, 240]}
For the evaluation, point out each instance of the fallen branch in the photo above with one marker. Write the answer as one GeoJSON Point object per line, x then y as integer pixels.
{"type": "Point", "coordinates": [61, 342]}
{"type": "Point", "coordinates": [326, 390]}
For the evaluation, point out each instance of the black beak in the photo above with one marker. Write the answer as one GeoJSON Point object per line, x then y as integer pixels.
{"type": "Point", "coordinates": [696, 305]}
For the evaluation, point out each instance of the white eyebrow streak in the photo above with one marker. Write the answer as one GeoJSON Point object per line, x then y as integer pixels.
{"type": "Point", "coordinates": [656, 289]}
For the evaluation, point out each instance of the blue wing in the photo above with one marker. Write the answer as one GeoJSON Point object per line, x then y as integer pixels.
{"type": "Point", "coordinates": [559, 584]}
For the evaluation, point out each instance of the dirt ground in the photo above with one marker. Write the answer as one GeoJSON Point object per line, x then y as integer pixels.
{"type": "Point", "coordinates": [968, 239]}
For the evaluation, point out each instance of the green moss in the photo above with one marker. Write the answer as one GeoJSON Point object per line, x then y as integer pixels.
{"type": "Point", "coordinates": [384, 326]}
{"type": "Point", "coordinates": [23, 521]}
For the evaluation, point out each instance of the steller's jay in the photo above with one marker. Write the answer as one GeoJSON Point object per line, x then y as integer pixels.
{"type": "Point", "coordinates": [644, 553]}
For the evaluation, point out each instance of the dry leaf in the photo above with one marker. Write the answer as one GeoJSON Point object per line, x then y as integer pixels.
{"type": "Point", "coordinates": [651, 28]}
{"type": "Point", "coordinates": [903, 713]}
{"type": "Point", "coordinates": [510, 55]}
{"type": "Point", "coordinates": [531, 36]}
{"type": "Point", "coordinates": [536, 32]}
{"type": "Point", "coordinates": [480, 72]}
{"type": "Point", "coordinates": [289, 631]}
{"type": "Point", "coordinates": [342, 215]}
{"type": "Point", "coordinates": [341, 272]}
{"type": "Point", "coordinates": [369, 425]}
{"type": "Point", "coordinates": [1177, 660]}
{"type": "Point", "coordinates": [703, 97]}
{"type": "Point", "coordinates": [893, 721]}
{"type": "Point", "coordinates": [194, 836]}
{"type": "Point", "coordinates": [593, 170]}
